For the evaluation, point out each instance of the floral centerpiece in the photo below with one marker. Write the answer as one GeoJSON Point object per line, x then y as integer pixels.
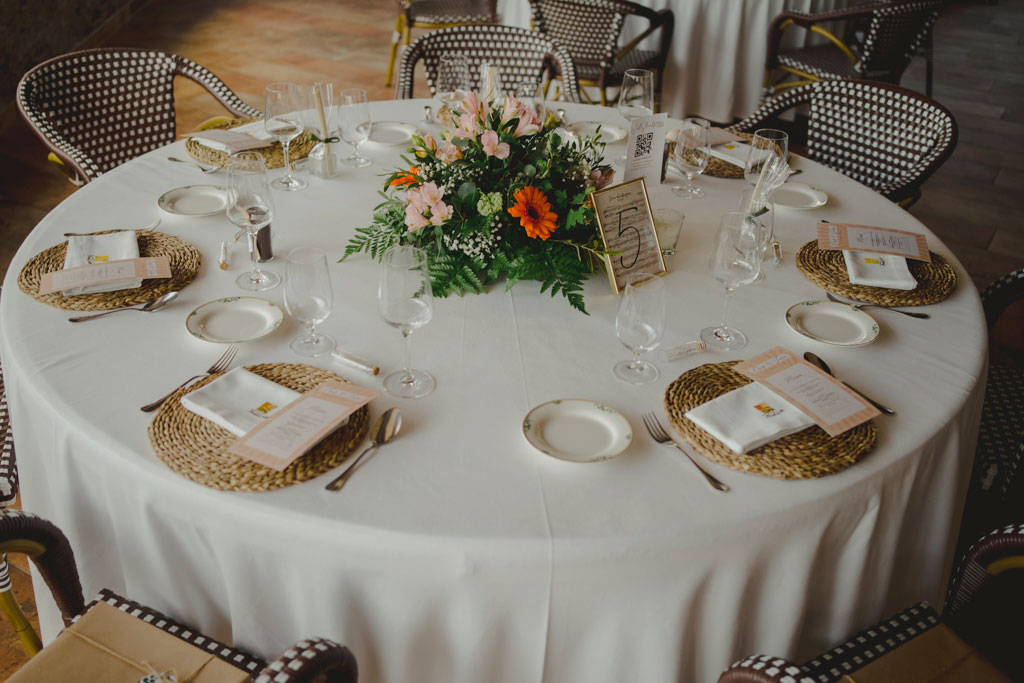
{"type": "Point", "coordinates": [500, 193]}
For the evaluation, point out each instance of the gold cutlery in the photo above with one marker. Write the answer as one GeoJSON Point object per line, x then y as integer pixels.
{"type": "Point", "coordinates": [221, 365]}
{"type": "Point", "coordinates": [816, 361]}
{"type": "Point", "coordinates": [148, 307]}
{"type": "Point", "coordinates": [862, 304]}
{"type": "Point", "coordinates": [659, 434]}
{"type": "Point", "coordinates": [384, 429]}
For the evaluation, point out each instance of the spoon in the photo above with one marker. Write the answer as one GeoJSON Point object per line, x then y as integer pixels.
{"type": "Point", "coordinates": [148, 307]}
{"type": "Point", "coordinates": [192, 163]}
{"type": "Point", "coordinates": [862, 304]}
{"type": "Point", "coordinates": [384, 429]}
{"type": "Point", "coordinates": [814, 360]}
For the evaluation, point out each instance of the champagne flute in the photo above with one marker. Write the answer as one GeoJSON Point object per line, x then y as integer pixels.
{"type": "Point", "coordinates": [250, 206]}
{"type": "Point", "coordinates": [735, 260]}
{"type": "Point", "coordinates": [308, 297]}
{"type": "Point", "coordinates": [453, 81]}
{"type": "Point", "coordinates": [405, 300]}
{"type": "Point", "coordinates": [767, 143]}
{"type": "Point", "coordinates": [763, 211]}
{"type": "Point", "coordinates": [354, 123]}
{"type": "Point", "coordinates": [691, 155]}
{"type": "Point", "coordinates": [639, 324]}
{"type": "Point", "coordinates": [283, 120]}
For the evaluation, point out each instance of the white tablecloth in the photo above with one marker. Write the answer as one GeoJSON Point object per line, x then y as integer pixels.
{"type": "Point", "coordinates": [716, 65]}
{"type": "Point", "coordinates": [458, 553]}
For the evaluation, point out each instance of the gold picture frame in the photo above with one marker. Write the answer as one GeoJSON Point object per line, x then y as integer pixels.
{"type": "Point", "coordinates": [626, 224]}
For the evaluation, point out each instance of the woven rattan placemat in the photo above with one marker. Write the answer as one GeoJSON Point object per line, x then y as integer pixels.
{"type": "Point", "coordinates": [827, 268]}
{"type": "Point", "coordinates": [808, 454]}
{"type": "Point", "coordinates": [184, 259]}
{"type": "Point", "coordinates": [273, 155]}
{"type": "Point", "coordinates": [196, 448]}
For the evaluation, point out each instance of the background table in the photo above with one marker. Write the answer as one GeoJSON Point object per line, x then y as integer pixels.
{"type": "Point", "coordinates": [458, 553]}
{"type": "Point", "coordinates": [716, 63]}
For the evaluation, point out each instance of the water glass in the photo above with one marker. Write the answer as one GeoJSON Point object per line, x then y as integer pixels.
{"type": "Point", "coordinates": [283, 119]}
{"type": "Point", "coordinates": [308, 297]}
{"type": "Point", "coordinates": [763, 211]}
{"type": "Point", "coordinates": [767, 143]}
{"type": "Point", "coordinates": [639, 324]}
{"type": "Point", "coordinates": [691, 154]}
{"type": "Point", "coordinates": [453, 79]}
{"type": "Point", "coordinates": [735, 261]}
{"type": "Point", "coordinates": [668, 223]}
{"type": "Point", "coordinates": [354, 123]}
{"type": "Point", "coordinates": [636, 97]}
{"type": "Point", "coordinates": [250, 206]}
{"type": "Point", "coordinates": [405, 301]}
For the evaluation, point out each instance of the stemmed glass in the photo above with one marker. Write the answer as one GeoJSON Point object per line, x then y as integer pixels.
{"type": "Point", "coordinates": [453, 79]}
{"type": "Point", "coordinates": [405, 301]}
{"type": "Point", "coordinates": [636, 96]}
{"type": "Point", "coordinates": [767, 143]}
{"type": "Point", "coordinates": [691, 155]}
{"type": "Point", "coordinates": [354, 123]}
{"type": "Point", "coordinates": [762, 211]}
{"type": "Point", "coordinates": [250, 206]}
{"type": "Point", "coordinates": [639, 324]}
{"type": "Point", "coordinates": [735, 260]}
{"type": "Point", "coordinates": [308, 297]}
{"type": "Point", "coordinates": [283, 120]}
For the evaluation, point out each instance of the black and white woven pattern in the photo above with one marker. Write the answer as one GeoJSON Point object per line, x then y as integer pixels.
{"type": "Point", "coordinates": [971, 574]}
{"type": "Point", "coordinates": [1001, 436]}
{"type": "Point", "coordinates": [8, 465]}
{"type": "Point", "coordinates": [767, 669]}
{"type": "Point", "coordinates": [298, 663]}
{"type": "Point", "coordinates": [519, 54]}
{"type": "Point", "coordinates": [5, 574]}
{"type": "Point", "coordinates": [884, 136]}
{"type": "Point", "coordinates": [449, 12]}
{"type": "Point", "coordinates": [236, 658]}
{"type": "Point", "coordinates": [98, 108]}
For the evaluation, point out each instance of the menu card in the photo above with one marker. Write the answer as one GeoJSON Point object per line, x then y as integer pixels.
{"type": "Point", "coordinates": [822, 397]}
{"type": "Point", "coordinates": [869, 238]}
{"type": "Point", "coordinates": [149, 267]}
{"type": "Point", "coordinates": [646, 148]}
{"type": "Point", "coordinates": [282, 438]}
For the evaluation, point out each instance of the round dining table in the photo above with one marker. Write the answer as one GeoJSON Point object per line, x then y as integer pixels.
{"type": "Point", "coordinates": [458, 552]}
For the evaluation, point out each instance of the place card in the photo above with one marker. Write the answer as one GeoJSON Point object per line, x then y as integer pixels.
{"type": "Point", "coordinates": [228, 140]}
{"type": "Point", "coordinates": [285, 436]}
{"type": "Point", "coordinates": [734, 153]}
{"type": "Point", "coordinates": [146, 268]}
{"type": "Point", "coordinates": [846, 236]}
{"type": "Point", "coordinates": [626, 224]}
{"type": "Point", "coordinates": [646, 148]}
{"type": "Point", "coordinates": [720, 136]}
{"type": "Point", "coordinates": [826, 400]}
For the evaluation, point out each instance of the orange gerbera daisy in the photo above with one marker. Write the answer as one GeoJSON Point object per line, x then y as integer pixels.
{"type": "Point", "coordinates": [406, 178]}
{"type": "Point", "coordinates": [534, 212]}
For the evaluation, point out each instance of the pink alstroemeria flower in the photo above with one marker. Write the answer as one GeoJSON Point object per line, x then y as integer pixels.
{"type": "Point", "coordinates": [440, 212]}
{"type": "Point", "coordinates": [414, 219]}
{"type": "Point", "coordinates": [431, 194]}
{"type": "Point", "coordinates": [492, 147]}
{"type": "Point", "coordinates": [599, 179]}
{"type": "Point", "coordinates": [469, 127]}
{"type": "Point", "coordinates": [429, 145]}
{"type": "Point", "coordinates": [416, 199]}
{"type": "Point", "coordinates": [448, 152]}
{"type": "Point", "coordinates": [472, 105]}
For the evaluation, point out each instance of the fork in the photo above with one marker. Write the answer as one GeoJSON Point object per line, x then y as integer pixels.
{"type": "Point", "coordinates": [220, 366]}
{"type": "Point", "coordinates": [199, 166]}
{"type": "Point", "coordinates": [659, 434]}
{"type": "Point", "coordinates": [862, 304]}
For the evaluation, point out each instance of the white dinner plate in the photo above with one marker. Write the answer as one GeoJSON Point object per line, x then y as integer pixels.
{"type": "Point", "coordinates": [234, 319]}
{"type": "Point", "coordinates": [799, 196]}
{"type": "Point", "coordinates": [392, 132]}
{"type": "Point", "coordinates": [577, 430]}
{"type": "Point", "coordinates": [832, 323]}
{"type": "Point", "coordinates": [194, 200]}
{"type": "Point", "coordinates": [609, 131]}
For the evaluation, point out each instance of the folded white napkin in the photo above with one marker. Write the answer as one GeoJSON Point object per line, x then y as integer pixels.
{"type": "Point", "coordinates": [88, 249]}
{"type": "Point", "coordinates": [878, 270]}
{"type": "Point", "coordinates": [735, 153]}
{"type": "Point", "coordinates": [257, 129]}
{"type": "Point", "coordinates": [748, 417]}
{"type": "Point", "coordinates": [229, 141]}
{"type": "Point", "coordinates": [238, 400]}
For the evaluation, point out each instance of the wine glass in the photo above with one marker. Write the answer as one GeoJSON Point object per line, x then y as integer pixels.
{"type": "Point", "coordinates": [283, 120]}
{"type": "Point", "coordinates": [250, 206]}
{"type": "Point", "coordinates": [453, 80]}
{"type": "Point", "coordinates": [405, 301]}
{"type": "Point", "coordinates": [763, 211]}
{"type": "Point", "coordinates": [767, 143]}
{"type": "Point", "coordinates": [639, 324]}
{"type": "Point", "coordinates": [636, 97]}
{"type": "Point", "coordinates": [308, 298]}
{"type": "Point", "coordinates": [735, 260]}
{"type": "Point", "coordinates": [354, 123]}
{"type": "Point", "coordinates": [691, 155]}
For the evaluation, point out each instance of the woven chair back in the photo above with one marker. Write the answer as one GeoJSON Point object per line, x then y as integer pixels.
{"type": "Point", "coordinates": [893, 35]}
{"type": "Point", "coordinates": [520, 55]}
{"type": "Point", "coordinates": [589, 29]}
{"type": "Point", "coordinates": [98, 108]}
{"type": "Point", "coordinates": [435, 12]}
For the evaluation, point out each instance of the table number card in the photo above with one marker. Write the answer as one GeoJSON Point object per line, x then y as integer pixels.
{"type": "Point", "coordinates": [146, 268]}
{"type": "Point", "coordinates": [869, 238]}
{"type": "Point", "coordinates": [646, 148]}
{"type": "Point", "coordinates": [822, 397]}
{"type": "Point", "coordinates": [626, 224]}
{"type": "Point", "coordinates": [282, 438]}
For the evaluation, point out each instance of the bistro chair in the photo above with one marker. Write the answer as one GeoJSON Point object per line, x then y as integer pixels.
{"type": "Point", "coordinates": [884, 136]}
{"type": "Point", "coordinates": [434, 14]}
{"type": "Point", "coordinates": [96, 109]}
{"type": "Point", "coordinates": [51, 552]}
{"type": "Point", "coordinates": [997, 556]}
{"type": "Point", "coordinates": [883, 38]}
{"type": "Point", "coordinates": [519, 54]}
{"type": "Point", "coordinates": [590, 31]}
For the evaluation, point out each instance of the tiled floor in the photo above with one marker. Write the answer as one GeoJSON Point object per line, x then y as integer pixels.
{"type": "Point", "coordinates": [974, 203]}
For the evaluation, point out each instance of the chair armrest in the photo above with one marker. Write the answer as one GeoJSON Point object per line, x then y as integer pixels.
{"type": "Point", "coordinates": [764, 669]}
{"type": "Point", "coordinates": [310, 658]}
{"type": "Point", "coordinates": [992, 554]}
{"type": "Point", "coordinates": [787, 19]}
{"type": "Point", "coordinates": [49, 549]}
{"type": "Point", "coordinates": [773, 107]}
{"type": "Point", "coordinates": [216, 87]}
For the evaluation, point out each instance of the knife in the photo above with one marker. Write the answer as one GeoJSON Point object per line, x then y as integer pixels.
{"type": "Point", "coordinates": [818, 362]}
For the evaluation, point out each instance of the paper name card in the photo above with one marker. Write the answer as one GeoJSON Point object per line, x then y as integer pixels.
{"type": "Point", "coordinates": [734, 153]}
{"type": "Point", "coordinates": [822, 397]}
{"type": "Point", "coordinates": [646, 148]}
{"type": "Point", "coordinates": [720, 136]}
{"type": "Point", "coordinates": [285, 436]}
{"type": "Point", "coordinates": [228, 140]}
{"type": "Point", "coordinates": [870, 238]}
{"type": "Point", "coordinates": [146, 268]}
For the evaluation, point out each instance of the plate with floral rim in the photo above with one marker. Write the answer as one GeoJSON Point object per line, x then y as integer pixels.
{"type": "Point", "coordinates": [577, 430]}
{"type": "Point", "coordinates": [832, 323]}
{"type": "Point", "coordinates": [234, 319]}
